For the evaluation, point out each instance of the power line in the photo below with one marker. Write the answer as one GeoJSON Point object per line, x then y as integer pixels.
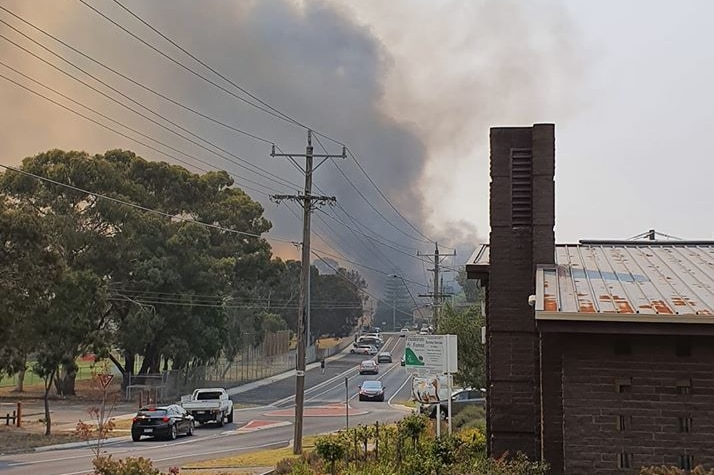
{"type": "Point", "coordinates": [243, 163]}
{"type": "Point", "coordinates": [270, 109]}
{"type": "Point", "coordinates": [183, 66]}
{"type": "Point", "coordinates": [144, 208]}
{"type": "Point", "coordinates": [213, 70]}
{"type": "Point", "coordinates": [359, 165]}
{"type": "Point", "coordinates": [139, 84]}
{"type": "Point", "coordinates": [337, 272]}
{"type": "Point", "coordinates": [413, 256]}
{"type": "Point", "coordinates": [238, 179]}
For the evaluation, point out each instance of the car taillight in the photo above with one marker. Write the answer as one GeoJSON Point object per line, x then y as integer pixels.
{"type": "Point", "coordinates": [134, 419]}
{"type": "Point", "coordinates": [165, 419]}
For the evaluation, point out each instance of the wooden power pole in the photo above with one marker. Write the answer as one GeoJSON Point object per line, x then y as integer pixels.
{"type": "Point", "coordinates": [308, 201]}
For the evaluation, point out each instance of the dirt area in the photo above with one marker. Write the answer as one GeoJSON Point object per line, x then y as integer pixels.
{"type": "Point", "coordinates": [65, 412]}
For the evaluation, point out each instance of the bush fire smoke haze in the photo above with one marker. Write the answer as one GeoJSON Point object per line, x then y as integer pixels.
{"type": "Point", "coordinates": [410, 88]}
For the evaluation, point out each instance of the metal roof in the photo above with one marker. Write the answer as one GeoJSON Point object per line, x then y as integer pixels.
{"type": "Point", "coordinates": [653, 281]}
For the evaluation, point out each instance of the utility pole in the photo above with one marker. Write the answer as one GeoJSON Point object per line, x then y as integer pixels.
{"type": "Point", "coordinates": [308, 201]}
{"type": "Point", "coordinates": [436, 295]}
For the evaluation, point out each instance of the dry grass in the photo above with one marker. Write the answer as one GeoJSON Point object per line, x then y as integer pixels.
{"type": "Point", "coordinates": [324, 343]}
{"type": "Point", "coordinates": [14, 440]}
{"type": "Point", "coordinates": [263, 458]}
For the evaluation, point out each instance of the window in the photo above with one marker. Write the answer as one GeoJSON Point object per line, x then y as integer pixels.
{"type": "Point", "coordinates": [623, 385]}
{"type": "Point", "coordinates": [684, 386]}
{"type": "Point", "coordinates": [623, 423]}
{"type": "Point", "coordinates": [624, 460]}
{"type": "Point", "coordinates": [685, 424]}
{"type": "Point", "coordinates": [686, 462]}
{"type": "Point", "coordinates": [623, 346]}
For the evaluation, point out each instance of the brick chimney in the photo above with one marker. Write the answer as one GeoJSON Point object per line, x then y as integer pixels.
{"type": "Point", "coordinates": [522, 209]}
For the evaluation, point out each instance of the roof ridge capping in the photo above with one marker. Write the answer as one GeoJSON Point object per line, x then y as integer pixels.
{"type": "Point", "coordinates": [658, 242]}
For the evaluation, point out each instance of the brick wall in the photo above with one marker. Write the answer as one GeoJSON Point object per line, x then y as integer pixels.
{"type": "Point", "coordinates": [521, 237]}
{"type": "Point", "coordinates": [650, 408]}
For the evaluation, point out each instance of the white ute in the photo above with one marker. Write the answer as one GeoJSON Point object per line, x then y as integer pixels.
{"type": "Point", "coordinates": [208, 405]}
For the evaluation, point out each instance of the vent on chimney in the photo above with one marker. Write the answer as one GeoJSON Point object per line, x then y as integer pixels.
{"type": "Point", "coordinates": [521, 187]}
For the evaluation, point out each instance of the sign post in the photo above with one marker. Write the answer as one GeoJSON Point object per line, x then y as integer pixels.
{"type": "Point", "coordinates": [428, 358]}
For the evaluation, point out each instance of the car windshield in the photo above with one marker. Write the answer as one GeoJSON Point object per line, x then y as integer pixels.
{"type": "Point", "coordinates": [372, 385]}
{"type": "Point", "coordinates": [368, 363]}
{"type": "Point", "coordinates": [152, 412]}
{"type": "Point", "coordinates": [386, 353]}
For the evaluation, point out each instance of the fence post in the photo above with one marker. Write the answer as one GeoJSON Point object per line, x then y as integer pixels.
{"type": "Point", "coordinates": [18, 415]}
{"type": "Point", "coordinates": [376, 441]}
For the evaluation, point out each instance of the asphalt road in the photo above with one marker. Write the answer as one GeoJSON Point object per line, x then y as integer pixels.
{"type": "Point", "coordinates": [267, 425]}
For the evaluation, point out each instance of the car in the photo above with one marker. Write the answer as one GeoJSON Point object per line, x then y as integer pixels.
{"type": "Point", "coordinates": [371, 391]}
{"type": "Point", "coordinates": [402, 361]}
{"type": "Point", "coordinates": [163, 421]}
{"type": "Point", "coordinates": [209, 404]}
{"type": "Point", "coordinates": [368, 367]}
{"type": "Point", "coordinates": [384, 357]}
{"type": "Point", "coordinates": [459, 400]}
{"type": "Point", "coordinates": [423, 332]}
{"type": "Point", "coordinates": [364, 349]}
{"type": "Point", "coordinates": [403, 332]}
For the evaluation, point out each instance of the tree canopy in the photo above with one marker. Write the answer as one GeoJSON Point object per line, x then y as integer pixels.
{"type": "Point", "coordinates": [139, 260]}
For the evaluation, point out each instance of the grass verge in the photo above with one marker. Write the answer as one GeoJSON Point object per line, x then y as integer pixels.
{"type": "Point", "coordinates": [262, 458]}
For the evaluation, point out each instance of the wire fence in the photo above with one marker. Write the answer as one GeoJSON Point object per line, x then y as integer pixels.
{"type": "Point", "coordinates": [268, 358]}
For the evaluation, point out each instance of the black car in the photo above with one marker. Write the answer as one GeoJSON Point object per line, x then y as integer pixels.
{"type": "Point", "coordinates": [165, 421]}
{"type": "Point", "coordinates": [371, 391]}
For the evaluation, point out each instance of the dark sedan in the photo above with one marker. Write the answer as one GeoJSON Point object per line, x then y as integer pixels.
{"type": "Point", "coordinates": [371, 391]}
{"type": "Point", "coordinates": [166, 421]}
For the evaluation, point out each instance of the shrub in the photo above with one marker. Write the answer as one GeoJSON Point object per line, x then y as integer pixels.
{"type": "Point", "coordinates": [473, 442]}
{"type": "Point", "coordinates": [664, 470]}
{"type": "Point", "coordinates": [127, 466]}
{"type": "Point", "coordinates": [519, 465]}
{"type": "Point", "coordinates": [471, 417]}
{"type": "Point", "coordinates": [331, 449]}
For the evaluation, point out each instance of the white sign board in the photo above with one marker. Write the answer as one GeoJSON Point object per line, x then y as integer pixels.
{"type": "Point", "coordinates": [429, 355]}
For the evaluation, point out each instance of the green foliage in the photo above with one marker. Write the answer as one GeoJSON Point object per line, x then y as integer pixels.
{"type": "Point", "coordinates": [168, 292]}
{"type": "Point", "coordinates": [470, 417]}
{"type": "Point", "coordinates": [463, 453]}
{"type": "Point", "coordinates": [466, 325]}
{"type": "Point", "coordinates": [331, 449]}
{"type": "Point", "coordinates": [518, 465]}
{"type": "Point", "coordinates": [127, 466]}
{"type": "Point", "coordinates": [668, 470]}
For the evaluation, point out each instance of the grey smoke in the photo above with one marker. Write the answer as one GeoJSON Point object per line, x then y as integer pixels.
{"type": "Point", "coordinates": [314, 62]}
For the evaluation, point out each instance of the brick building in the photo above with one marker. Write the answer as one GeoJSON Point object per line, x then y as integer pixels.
{"type": "Point", "coordinates": [600, 355]}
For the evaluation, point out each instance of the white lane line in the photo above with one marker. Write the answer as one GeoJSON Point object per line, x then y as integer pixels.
{"type": "Point", "coordinates": [378, 379]}
{"type": "Point", "coordinates": [397, 392]}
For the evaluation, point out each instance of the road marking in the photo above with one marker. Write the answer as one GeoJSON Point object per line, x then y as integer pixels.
{"type": "Point", "coordinates": [256, 425]}
{"type": "Point", "coordinates": [397, 392]}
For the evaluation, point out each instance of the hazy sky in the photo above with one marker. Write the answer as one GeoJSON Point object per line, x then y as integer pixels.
{"type": "Point", "coordinates": [412, 86]}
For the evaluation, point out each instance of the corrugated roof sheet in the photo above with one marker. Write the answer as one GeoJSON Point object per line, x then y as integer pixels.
{"type": "Point", "coordinates": [611, 280]}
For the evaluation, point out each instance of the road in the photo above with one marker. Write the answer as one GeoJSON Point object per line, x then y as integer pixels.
{"type": "Point", "coordinates": [269, 424]}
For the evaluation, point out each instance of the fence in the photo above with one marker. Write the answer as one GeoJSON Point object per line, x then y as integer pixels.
{"type": "Point", "coordinates": [255, 362]}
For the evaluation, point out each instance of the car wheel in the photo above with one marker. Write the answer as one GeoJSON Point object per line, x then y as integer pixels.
{"type": "Point", "coordinates": [173, 432]}
{"type": "Point", "coordinates": [361, 398]}
{"type": "Point", "coordinates": [189, 432]}
{"type": "Point", "coordinates": [135, 437]}
{"type": "Point", "coordinates": [230, 416]}
{"type": "Point", "coordinates": [220, 420]}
